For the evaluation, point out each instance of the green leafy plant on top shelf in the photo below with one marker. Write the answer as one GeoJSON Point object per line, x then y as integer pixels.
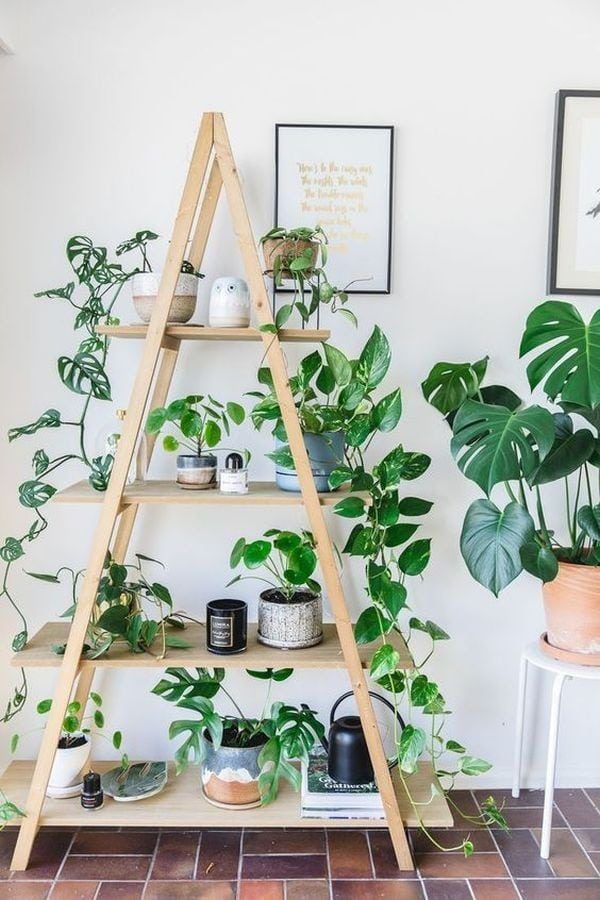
{"type": "Point", "coordinates": [299, 255]}
{"type": "Point", "coordinates": [199, 420]}
{"type": "Point", "coordinates": [332, 393]}
{"type": "Point", "coordinates": [285, 733]}
{"type": "Point", "coordinates": [288, 559]}
{"type": "Point", "coordinates": [500, 443]}
{"type": "Point", "coordinates": [384, 538]}
{"type": "Point", "coordinates": [120, 615]}
{"type": "Point", "coordinates": [91, 295]}
{"type": "Point", "coordinates": [140, 242]}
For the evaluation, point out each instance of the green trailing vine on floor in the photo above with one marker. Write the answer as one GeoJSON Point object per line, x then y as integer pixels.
{"type": "Point", "coordinates": [92, 295]}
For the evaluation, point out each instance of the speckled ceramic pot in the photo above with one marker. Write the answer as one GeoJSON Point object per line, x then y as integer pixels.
{"type": "Point", "coordinates": [230, 774]}
{"type": "Point", "coordinates": [197, 473]}
{"type": "Point", "coordinates": [290, 625]}
{"type": "Point", "coordinates": [144, 289]}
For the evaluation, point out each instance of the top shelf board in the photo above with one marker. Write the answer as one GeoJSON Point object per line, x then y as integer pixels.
{"type": "Point", "coordinates": [202, 333]}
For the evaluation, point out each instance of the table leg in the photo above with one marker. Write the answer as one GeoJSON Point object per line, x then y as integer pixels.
{"type": "Point", "coordinates": [557, 687]}
{"type": "Point", "coordinates": [518, 758]}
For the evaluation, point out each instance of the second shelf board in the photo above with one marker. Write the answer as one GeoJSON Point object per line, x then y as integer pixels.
{"type": "Point", "coordinates": [260, 493]}
{"type": "Point", "coordinates": [326, 655]}
{"type": "Point", "coordinates": [204, 333]}
{"type": "Point", "coordinates": [181, 805]}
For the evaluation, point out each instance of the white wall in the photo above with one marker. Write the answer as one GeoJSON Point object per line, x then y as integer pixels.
{"type": "Point", "coordinates": [98, 111]}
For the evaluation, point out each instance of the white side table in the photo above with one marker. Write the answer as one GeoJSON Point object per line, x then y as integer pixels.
{"type": "Point", "coordinates": [533, 655]}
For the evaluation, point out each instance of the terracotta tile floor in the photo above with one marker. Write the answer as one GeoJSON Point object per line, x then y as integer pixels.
{"type": "Point", "coordinates": [313, 864]}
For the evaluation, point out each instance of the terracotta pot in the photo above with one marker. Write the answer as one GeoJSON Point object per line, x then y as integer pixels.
{"type": "Point", "coordinates": [230, 774]}
{"type": "Point", "coordinates": [276, 247]}
{"type": "Point", "coordinates": [572, 607]}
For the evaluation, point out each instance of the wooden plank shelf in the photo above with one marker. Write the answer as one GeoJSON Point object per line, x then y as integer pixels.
{"type": "Point", "coordinates": [181, 805]}
{"type": "Point", "coordinates": [260, 493]}
{"type": "Point", "coordinates": [326, 655]}
{"type": "Point", "coordinates": [204, 333]}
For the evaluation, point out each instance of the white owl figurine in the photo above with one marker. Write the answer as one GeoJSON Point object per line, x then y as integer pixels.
{"type": "Point", "coordinates": [229, 303]}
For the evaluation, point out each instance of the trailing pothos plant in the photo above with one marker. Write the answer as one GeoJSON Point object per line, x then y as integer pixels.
{"type": "Point", "coordinates": [91, 294]}
{"type": "Point", "coordinates": [286, 732]}
{"type": "Point", "coordinates": [304, 264]}
{"type": "Point", "coordinates": [504, 445]}
{"type": "Point", "coordinates": [382, 537]}
{"type": "Point", "coordinates": [120, 615]}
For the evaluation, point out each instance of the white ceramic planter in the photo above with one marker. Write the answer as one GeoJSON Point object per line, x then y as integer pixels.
{"type": "Point", "coordinates": [229, 303]}
{"type": "Point", "coordinates": [144, 289]}
{"type": "Point", "coordinates": [67, 769]}
{"type": "Point", "coordinates": [290, 626]}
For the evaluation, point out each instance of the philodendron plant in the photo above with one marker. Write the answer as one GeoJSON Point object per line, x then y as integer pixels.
{"type": "Point", "coordinates": [284, 733]}
{"type": "Point", "coordinates": [199, 421]}
{"type": "Point", "coordinates": [92, 294]}
{"type": "Point", "coordinates": [382, 537]}
{"type": "Point", "coordinates": [504, 445]}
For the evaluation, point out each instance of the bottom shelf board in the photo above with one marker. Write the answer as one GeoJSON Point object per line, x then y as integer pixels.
{"type": "Point", "coordinates": [181, 805]}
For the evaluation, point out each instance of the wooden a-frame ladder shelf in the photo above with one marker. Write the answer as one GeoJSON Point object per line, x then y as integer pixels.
{"type": "Point", "coordinates": [180, 804]}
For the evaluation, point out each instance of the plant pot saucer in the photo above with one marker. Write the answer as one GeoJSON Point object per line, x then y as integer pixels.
{"type": "Point", "coordinates": [220, 805]}
{"type": "Point", "coordinates": [289, 645]}
{"type": "Point", "coordinates": [64, 793]}
{"type": "Point", "coordinates": [568, 656]}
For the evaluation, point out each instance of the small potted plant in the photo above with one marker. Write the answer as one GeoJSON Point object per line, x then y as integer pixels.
{"type": "Point", "coordinates": [145, 283]}
{"type": "Point", "coordinates": [290, 612]}
{"type": "Point", "coordinates": [120, 615]}
{"type": "Point", "coordinates": [336, 407]}
{"type": "Point", "coordinates": [200, 421]}
{"type": "Point", "coordinates": [299, 255]}
{"type": "Point", "coordinates": [74, 746]}
{"type": "Point", "coordinates": [242, 759]}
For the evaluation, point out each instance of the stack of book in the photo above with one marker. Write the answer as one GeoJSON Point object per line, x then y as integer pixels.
{"type": "Point", "coordinates": [324, 798]}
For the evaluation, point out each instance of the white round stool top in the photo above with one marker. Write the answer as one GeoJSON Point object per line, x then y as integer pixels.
{"type": "Point", "coordinates": [536, 656]}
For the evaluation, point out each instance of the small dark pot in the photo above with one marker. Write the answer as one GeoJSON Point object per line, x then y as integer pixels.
{"type": "Point", "coordinates": [197, 473]}
{"type": "Point", "coordinates": [230, 774]}
{"type": "Point", "coordinates": [226, 626]}
{"type": "Point", "coordinates": [290, 625]}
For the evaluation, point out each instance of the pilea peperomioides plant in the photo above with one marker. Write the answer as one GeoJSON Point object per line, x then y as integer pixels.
{"type": "Point", "coordinates": [92, 296]}
{"type": "Point", "coordinates": [501, 444]}
{"type": "Point", "coordinates": [383, 540]}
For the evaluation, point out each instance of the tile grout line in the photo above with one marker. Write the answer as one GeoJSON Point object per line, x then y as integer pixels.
{"type": "Point", "coordinates": [152, 861]}
{"type": "Point", "coordinates": [238, 883]}
{"type": "Point", "coordinates": [60, 868]}
{"type": "Point", "coordinates": [370, 849]}
{"type": "Point", "coordinates": [329, 882]}
{"type": "Point", "coordinates": [497, 846]}
{"type": "Point", "coordinates": [577, 841]}
{"type": "Point", "coordinates": [197, 857]}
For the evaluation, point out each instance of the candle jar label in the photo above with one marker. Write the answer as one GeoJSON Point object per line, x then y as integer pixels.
{"type": "Point", "coordinates": [221, 631]}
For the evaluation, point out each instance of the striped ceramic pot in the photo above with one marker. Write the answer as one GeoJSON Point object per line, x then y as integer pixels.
{"type": "Point", "coordinates": [230, 774]}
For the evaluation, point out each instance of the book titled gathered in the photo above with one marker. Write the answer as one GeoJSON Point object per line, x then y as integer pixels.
{"type": "Point", "coordinates": [322, 797]}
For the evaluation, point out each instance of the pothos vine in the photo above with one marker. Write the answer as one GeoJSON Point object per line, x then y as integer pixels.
{"type": "Point", "coordinates": [99, 281]}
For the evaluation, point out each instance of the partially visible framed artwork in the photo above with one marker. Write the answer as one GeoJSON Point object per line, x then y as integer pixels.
{"type": "Point", "coordinates": [340, 177]}
{"type": "Point", "coordinates": [574, 252]}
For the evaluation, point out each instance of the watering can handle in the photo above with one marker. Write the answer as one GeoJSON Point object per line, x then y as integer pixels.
{"type": "Point", "coordinates": [391, 762]}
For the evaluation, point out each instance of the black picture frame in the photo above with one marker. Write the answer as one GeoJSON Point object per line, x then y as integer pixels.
{"type": "Point", "coordinates": [390, 201]}
{"type": "Point", "coordinates": [552, 286]}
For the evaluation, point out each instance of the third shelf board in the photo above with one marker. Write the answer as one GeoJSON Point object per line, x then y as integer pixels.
{"type": "Point", "coordinates": [260, 493]}
{"type": "Point", "coordinates": [204, 333]}
{"type": "Point", "coordinates": [326, 655]}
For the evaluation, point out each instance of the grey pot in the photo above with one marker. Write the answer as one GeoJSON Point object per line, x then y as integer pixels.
{"type": "Point", "coordinates": [197, 473]}
{"type": "Point", "coordinates": [230, 775]}
{"type": "Point", "coordinates": [291, 625]}
{"type": "Point", "coordinates": [325, 452]}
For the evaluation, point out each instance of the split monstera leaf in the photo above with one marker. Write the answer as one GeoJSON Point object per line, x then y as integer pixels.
{"type": "Point", "coordinates": [499, 441]}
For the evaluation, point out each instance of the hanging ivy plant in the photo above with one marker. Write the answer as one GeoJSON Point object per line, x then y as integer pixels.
{"type": "Point", "coordinates": [92, 295]}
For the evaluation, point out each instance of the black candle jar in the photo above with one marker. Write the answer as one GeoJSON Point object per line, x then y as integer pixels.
{"type": "Point", "coordinates": [226, 626]}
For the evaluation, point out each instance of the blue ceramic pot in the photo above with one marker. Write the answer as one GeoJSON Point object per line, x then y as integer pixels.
{"type": "Point", "coordinates": [325, 453]}
{"type": "Point", "coordinates": [230, 774]}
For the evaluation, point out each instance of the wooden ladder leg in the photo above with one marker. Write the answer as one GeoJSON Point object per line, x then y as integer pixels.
{"type": "Point", "coordinates": [276, 361]}
{"type": "Point", "coordinates": [112, 504]}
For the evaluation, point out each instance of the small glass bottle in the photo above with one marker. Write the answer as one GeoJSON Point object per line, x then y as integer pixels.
{"type": "Point", "coordinates": [233, 479]}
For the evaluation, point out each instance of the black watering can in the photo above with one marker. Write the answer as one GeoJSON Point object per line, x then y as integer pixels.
{"type": "Point", "coordinates": [348, 759]}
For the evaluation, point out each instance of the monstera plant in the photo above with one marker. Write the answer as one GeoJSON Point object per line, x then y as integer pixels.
{"type": "Point", "coordinates": [508, 447]}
